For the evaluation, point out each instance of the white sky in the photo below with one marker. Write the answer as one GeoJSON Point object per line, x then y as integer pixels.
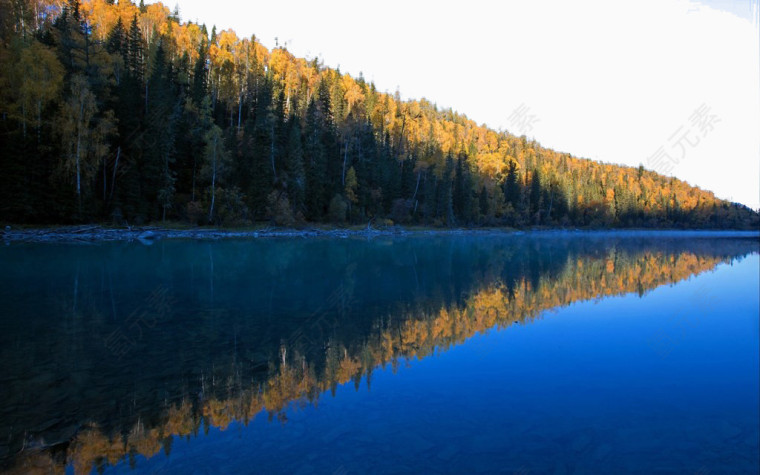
{"type": "Point", "coordinates": [608, 80]}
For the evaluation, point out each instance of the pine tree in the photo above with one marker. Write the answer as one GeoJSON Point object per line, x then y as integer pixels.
{"type": "Point", "coordinates": [463, 191]}
{"type": "Point", "coordinates": [512, 185]}
{"type": "Point", "coordinates": [259, 152]}
{"type": "Point", "coordinates": [483, 201]}
{"type": "Point", "coordinates": [198, 89]}
{"type": "Point", "coordinates": [159, 138]}
{"type": "Point", "coordinates": [294, 166]}
{"type": "Point", "coordinates": [446, 201]}
{"type": "Point", "coordinates": [135, 51]}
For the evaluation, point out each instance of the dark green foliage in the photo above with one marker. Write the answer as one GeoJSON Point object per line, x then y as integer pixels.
{"type": "Point", "coordinates": [483, 201]}
{"type": "Point", "coordinates": [463, 192]}
{"type": "Point", "coordinates": [535, 197]}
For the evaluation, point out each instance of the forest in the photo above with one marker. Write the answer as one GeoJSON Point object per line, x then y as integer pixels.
{"type": "Point", "coordinates": [124, 114]}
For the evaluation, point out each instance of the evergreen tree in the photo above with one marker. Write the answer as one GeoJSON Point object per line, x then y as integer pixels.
{"type": "Point", "coordinates": [294, 166]}
{"type": "Point", "coordinates": [446, 194]}
{"type": "Point", "coordinates": [135, 51]}
{"type": "Point", "coordinates": [483, 201]}
{"type": "Point", "coordinates": [160, 133]}
{"type": "Point", "coordinates": [512, 186]}
{"type": "Point", "coordinates": [463, 190]}
{"type": "Point", "coordinates": [198, 89]}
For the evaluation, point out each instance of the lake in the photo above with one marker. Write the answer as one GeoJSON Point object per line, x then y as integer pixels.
{"type": "Point", "coordinates": [533, 353]}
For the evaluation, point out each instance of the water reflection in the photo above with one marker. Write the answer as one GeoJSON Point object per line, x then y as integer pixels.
{"type": "Point", "coordinates": [112, 351]}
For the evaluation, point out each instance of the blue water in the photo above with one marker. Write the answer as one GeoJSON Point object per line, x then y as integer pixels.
{"type": "Point", "coordinates": [663, 379]}
{"type": "Point", "coordinates": [581, 390]}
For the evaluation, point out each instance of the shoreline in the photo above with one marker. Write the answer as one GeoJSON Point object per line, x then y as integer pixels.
{"type": "Point", "coordinates": [150, 234]}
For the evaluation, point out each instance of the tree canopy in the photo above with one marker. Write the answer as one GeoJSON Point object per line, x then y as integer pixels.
{"type": "Point", "coordinates": [123, 113]}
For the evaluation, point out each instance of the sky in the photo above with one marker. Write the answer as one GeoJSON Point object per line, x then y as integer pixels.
{"type": "Point", "coordinates": [670, 84]}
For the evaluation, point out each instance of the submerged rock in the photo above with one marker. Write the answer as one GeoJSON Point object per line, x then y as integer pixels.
{"type": "Point", "coordinates": [147, 235]}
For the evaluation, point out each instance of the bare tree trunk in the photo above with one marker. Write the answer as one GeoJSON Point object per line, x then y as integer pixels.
{"type": "Point", "coordinates": [213, 182]}
{"type": "Point", "coordinates": [345, 159]}
{"type": "Point", "coordinates": [86, 46]}
{"type": "Point", "coordinates": [115, 166]}
{"type": "Point", "coordinates": [36, 15]}
{"type": "Point", "coordinates": [240, 109]}
{"type": "Point", "coordinates": [244, 84]}
{"type": "Point", "coordinates": [79, 142]}
{"type": "Point", "coordinates": [23, 26]}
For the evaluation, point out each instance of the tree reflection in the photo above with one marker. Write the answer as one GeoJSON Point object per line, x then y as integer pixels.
{"type": "Point", "coordinates": [274, 332]}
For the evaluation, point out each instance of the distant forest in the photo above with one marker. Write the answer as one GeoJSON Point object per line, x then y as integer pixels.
{"type": "Point", "coordinates": [122, 113]}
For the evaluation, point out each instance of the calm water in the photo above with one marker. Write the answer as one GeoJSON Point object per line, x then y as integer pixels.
{"type": "Point", "coordinates": [518, 354]}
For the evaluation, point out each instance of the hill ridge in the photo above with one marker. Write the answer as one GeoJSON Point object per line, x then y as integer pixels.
{"type": "Point", "coordinates": [134, 116]}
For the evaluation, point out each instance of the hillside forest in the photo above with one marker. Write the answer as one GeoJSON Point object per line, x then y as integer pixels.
{"type": "Point", "coordinates": [122, 113]}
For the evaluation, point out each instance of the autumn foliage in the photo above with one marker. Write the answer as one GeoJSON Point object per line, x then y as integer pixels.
{"type": "Point", "coordinates": [124, 113]}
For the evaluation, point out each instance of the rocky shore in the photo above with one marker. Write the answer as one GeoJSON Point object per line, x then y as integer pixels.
{"type": "Point", "coordinates": [150, 234]}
